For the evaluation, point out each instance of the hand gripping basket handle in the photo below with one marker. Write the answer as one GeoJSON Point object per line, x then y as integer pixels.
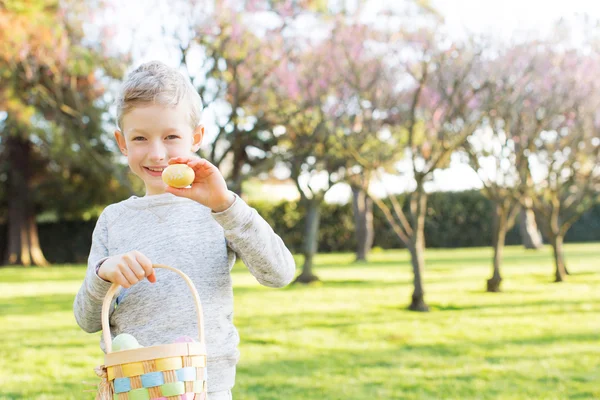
{"type": "Point", "coordinates": [115, 286]}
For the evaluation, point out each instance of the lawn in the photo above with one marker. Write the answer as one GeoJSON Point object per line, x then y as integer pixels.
{"type": "Point", "coordinates": [351, 337]}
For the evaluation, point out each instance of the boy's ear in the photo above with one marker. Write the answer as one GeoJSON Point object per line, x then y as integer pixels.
{"type": "Point", "coordinates": [121, 142]}
{"type": "Point", "coordinates": [197, 138]}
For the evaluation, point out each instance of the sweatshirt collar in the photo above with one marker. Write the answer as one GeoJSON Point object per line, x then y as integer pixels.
{"type": "Point", "coordinates": [154, 200]}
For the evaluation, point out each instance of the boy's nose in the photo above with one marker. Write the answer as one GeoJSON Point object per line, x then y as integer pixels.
{"type": "Point", "coordinates": [157, 152]}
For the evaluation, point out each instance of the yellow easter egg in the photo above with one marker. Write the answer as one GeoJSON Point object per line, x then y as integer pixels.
{"type": "Point", "coordinates": [178, 175]}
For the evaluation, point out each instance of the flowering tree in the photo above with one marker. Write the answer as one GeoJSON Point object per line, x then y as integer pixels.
{"type": "Point", "coordinates": [437, 108]}
{"type": "Point", "coordinates": [492, 157]}
{"type": "Point", "coordinates": [241, 59]}
{"type": "Point", "coordinates": [493, 149]}
{"type": "Point", "coordinates": [563, 154]}
{"type": "Point", "coordinates": [363, 93]}
{"type": "Point", "coordinates": [301, 96]}
{"type": "Point", "coordinates": [51, 117]}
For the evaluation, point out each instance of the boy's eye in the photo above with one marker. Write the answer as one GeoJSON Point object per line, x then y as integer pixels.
{"type": "Point", "coordinates": [172, 137]}
{"type": "Point", "coordinates": [138, 138]}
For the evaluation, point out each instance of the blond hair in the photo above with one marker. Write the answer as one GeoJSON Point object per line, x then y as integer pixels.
{"type": "Point", "coordinates": [156, 83]}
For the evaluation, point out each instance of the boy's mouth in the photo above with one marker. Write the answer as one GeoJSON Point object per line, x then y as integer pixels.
{"type": "Point", "coordinates": [154, 171]}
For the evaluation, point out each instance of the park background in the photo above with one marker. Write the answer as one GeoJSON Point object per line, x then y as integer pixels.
{"type": "Point", "coordinates": [433, 165]}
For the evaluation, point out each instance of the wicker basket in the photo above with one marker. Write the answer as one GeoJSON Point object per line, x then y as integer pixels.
{"type": "Point", "coordinates": [166, 372]}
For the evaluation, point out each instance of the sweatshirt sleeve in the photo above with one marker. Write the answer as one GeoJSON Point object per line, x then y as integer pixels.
{"type": "Point", "coordinates": [88, 301]}
{"type": "Point", "coordinates": [253, 239]}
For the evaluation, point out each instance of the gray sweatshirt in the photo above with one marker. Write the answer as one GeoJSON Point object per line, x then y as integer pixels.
{"type": "Point", "coordinates": [186, 235]}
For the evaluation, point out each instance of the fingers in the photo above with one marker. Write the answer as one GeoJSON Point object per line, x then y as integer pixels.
{"type": "Point", "coordinates": [132, 268]}
{"type": "Point", "coordinates": [181, 192]}
{"type": "Point", "coordinates": [115, 276]}
{"type": "Point", "coordinates": [146, 265]}
{"type": "Point", "coordinates": [125, 276]}
{"type": "Point", "coordinates": [196, 163]}
{"type": "Point", "coordinates": [152, 277]}
{"type": "Point", "coordinates": [199, 164]}
{"type": "Point", "coordinates": [121, 280]}
{"type": "Point", "coordinates": [180, 160]}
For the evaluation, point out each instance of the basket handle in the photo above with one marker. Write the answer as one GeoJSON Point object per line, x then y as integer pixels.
{"type": "Point", "coordinates": [115, 286]}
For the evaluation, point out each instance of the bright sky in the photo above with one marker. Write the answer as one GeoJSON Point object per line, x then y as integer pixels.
{"type": "Point", "coordinates": [501, 18]}
{"type": "Point", "coordinates": [504, 18]}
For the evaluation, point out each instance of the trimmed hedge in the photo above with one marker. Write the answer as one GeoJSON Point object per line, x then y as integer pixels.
{"type": "Point", "coordinates": [454, 219]}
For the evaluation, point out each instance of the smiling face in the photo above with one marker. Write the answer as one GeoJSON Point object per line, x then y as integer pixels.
{"type": "Point", "coordinates": [152, 135]}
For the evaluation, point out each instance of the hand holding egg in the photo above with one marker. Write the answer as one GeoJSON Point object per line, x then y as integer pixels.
{"type": "Point", "coordinates": [208, 187]}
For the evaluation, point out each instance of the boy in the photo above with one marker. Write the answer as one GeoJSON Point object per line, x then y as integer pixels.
{"type": "Point", "coordinates": [198, 230]}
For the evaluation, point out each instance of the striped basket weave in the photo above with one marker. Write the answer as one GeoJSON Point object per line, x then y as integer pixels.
{"type": "Point", "coordinates": [165, 372]}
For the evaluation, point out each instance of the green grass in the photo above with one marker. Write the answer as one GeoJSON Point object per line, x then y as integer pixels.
{"type": "Point", "coordinates": [351, 337]}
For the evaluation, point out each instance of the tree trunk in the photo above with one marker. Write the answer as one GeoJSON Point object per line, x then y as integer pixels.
{"type": "Point", "coordinates": [553, 231]}
{"type": "Point", "coordinates": [311, 237]}
{"type": "Point", "coordinates": [530, 234]}
{"type": "Point", "coordinates": [559, 260]}
{"type": "Point", "coordinates": [500, 226]}
{"type": "Point", "coordinates": [363, 221]}
{"type": "Point", "coordinates": [417, 250]}
{"type": "Point", "coordinates": [236, 178]}
{"type": "Point", "coordinates": [23, 246]}
{"type": "Point", "coordinates": [418, 262]}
